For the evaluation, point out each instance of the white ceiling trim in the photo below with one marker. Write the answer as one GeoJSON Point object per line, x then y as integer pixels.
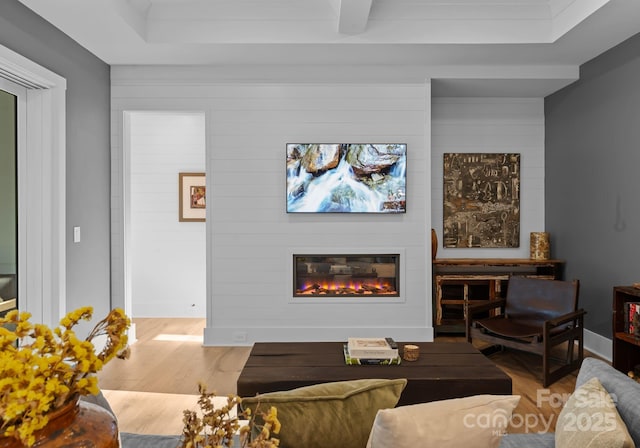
{"type": "Point", "coordinates": [136, 18]}
{"type": "Point", "coordinates": [353, 16]}
{"type": "Point", "coordinates": [101, 23]}
{"type": "Point", "coordinates": [320, 37]}
{"type": "Point", "coordinates": [567, 14]}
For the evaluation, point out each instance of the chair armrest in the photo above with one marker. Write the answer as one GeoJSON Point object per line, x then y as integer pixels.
{"type": "Point", "coordinates": [481, 307]}
{"type": "Point", "coordinates": [472, 310]}
{"type": "Point", "coordinates": [578, 314]}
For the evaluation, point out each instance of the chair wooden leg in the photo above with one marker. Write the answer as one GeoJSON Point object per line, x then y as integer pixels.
{"type": "Point", "coordinates": [546, 365]}
{"type": "Point", "coordinates": [570, 351]}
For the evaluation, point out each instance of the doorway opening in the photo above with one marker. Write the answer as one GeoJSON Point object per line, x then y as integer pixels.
{"type": "Point", "coordinates": [167, 256]}
{"type": "Point", "coordinates": [8, 201]}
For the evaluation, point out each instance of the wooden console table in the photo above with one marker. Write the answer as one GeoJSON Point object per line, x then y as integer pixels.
{"type": "Point", "coordinates": [458, 281]}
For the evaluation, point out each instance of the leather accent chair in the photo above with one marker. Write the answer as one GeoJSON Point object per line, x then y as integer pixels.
{"type": "Point", "coordinates": [537, 315]}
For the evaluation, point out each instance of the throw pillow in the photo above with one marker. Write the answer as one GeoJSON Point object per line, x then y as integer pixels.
{"type": "Point", "coordinates": [589, 418]}
{"type": "Point", "coordinates": [476, 421]}
{"type": "Point", "coordinates": [338, 414]}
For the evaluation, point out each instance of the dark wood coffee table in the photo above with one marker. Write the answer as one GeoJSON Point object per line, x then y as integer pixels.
{"type": "Point", "coordinates": [444, 370]}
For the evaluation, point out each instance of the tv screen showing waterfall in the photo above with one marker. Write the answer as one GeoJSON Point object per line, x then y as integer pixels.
{"type": "Point", "coordinates": [346, 178]}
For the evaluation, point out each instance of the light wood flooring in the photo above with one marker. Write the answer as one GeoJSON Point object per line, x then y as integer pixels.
{"type": "Point", "coordinates": [149, 391]}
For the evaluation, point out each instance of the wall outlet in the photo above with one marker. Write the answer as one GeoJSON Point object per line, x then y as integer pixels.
{"type": "Point", "coordinates": [239, 336]}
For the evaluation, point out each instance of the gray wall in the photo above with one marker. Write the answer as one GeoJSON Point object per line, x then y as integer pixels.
{"type": "Point", "coordinates": [592, 180]}
{"type": "Point", "coordinates": [88, 156]}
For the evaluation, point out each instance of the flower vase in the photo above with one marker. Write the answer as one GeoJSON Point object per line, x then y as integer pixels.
{"type": "Point", "coordinates": [434, 244]}
{"type": "Point", "coordinates": [76, 424]}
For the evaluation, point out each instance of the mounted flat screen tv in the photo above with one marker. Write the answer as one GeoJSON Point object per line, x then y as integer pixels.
{"type": "Point", "coordinates": [346, 178]}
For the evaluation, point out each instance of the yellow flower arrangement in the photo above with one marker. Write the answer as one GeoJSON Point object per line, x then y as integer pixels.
{"type": "Point", "coordinates": [43, 369]}
{"type": "Point", "coordinates": [216, 427]}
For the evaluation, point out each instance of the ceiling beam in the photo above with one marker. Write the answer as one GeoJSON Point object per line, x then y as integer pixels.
{"type": "Point", "coordinates": [353, 16]}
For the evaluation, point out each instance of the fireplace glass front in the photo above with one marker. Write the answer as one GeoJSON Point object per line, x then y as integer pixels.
{"type": "Point", "coordinates": [346, 275]}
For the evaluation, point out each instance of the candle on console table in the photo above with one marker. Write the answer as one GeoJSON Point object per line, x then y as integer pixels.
{"type": "Point", "coordinates": [539, 246]}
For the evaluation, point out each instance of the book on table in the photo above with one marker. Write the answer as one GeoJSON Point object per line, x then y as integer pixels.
{"type": "Point", "coordinates": [357, 361]}
{"type": "Point", "coordinates": [372, 348]}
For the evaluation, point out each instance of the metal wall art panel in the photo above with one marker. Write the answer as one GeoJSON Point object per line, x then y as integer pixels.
{"type": "Point", "coordinates": [481, 200]}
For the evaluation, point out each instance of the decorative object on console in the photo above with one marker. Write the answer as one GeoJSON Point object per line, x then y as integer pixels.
{"type": "Point", "coordinates": [192, 197]}
{"type": "Point", "coordinates": [539, 247]}
{"type": "Point", "coordinates": [46, 370]}
{"type": "Point", "coordinates": [434, 244]}
{"type": "Point", "coordinates": [346, 178]}
{"type": "Point", "coordinates": [481, 200]}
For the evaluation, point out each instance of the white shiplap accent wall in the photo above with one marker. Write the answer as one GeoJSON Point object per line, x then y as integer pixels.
{"type": "Point", "coordinates": [491, 125]}
{"type": "Point", "coordinates": [253, 237]}
{"type": "Point", "coordinates": [249, 235]}
{"type": "Point", "coordinates": [168, 257]}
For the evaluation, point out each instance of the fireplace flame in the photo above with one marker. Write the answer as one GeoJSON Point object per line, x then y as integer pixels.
{"type": "Point", "coordinates": [326, 287]}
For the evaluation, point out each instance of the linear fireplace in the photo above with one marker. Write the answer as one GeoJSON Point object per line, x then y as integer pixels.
{"type": "Point", "coordinates": [340, 275]}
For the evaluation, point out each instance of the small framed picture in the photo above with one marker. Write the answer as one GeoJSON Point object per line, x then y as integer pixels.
{"type": "Point", "coordinates": [193, 197]}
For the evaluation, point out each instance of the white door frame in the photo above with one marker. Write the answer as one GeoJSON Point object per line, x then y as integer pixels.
{"type": "Point", "coordinates": [41, 188]}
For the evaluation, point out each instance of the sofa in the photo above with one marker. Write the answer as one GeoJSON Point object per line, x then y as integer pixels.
{"type": "Point", "coordinates": [624, 390]}
{"type": "Point", "coordinates": [626, 393]}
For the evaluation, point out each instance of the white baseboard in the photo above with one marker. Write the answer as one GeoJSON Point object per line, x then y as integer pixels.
{"type": "Point", "coordinates": [595, 343]}
{"type": "Point", "coordinates": [598, 345]}
{"type": "Point", "coordinates": [247, 336]}
{"type": "Point", "coordinates": [131, 334]}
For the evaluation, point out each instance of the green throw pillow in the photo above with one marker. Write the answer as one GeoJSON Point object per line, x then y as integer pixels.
{"type": "Point", "coordinates": [338, 414]}
{"type": "Point", "coordinates": [590, 419]}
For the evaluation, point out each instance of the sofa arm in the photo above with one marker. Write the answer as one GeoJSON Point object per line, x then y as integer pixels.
{"type": "Point", "coordinates": [624, 391]}
{"type": "Point", "coordinates": [129, 440]}
{"type": "Point", "coordinates": [529, 440]}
